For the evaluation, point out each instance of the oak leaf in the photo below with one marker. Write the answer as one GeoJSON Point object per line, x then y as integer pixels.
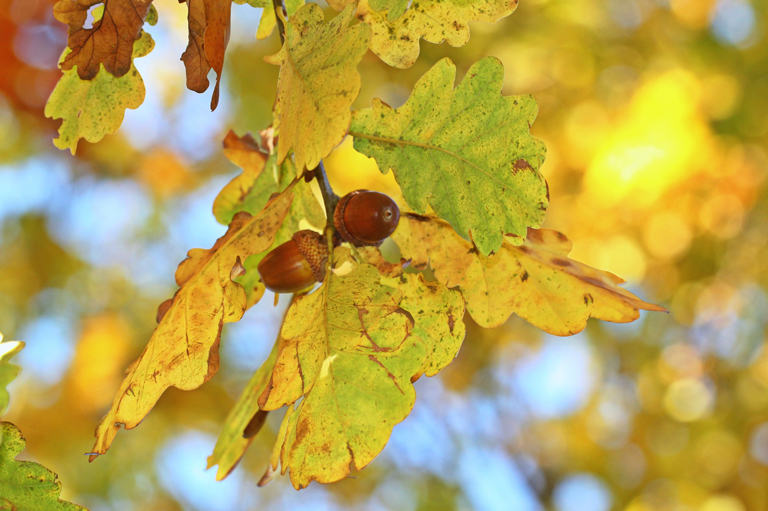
{"type": "Point", "coordinates": [8, 371]}
{"type": "Point", "coordinates": [397, 31]}
{"type": "Point", "coordinates": [183, 351]}
{"type": "Point", "coordinates": [233, 441]}
{"type": "Point", "coordinates": [352, 349]}
{"type": "Point", "coordinates": [536, 280]}
{"type": "Point", "coordinates": [209, 29]}
{"type": "Point", "coordinates": [467, 152]}
{"type": "Point", "coordinates": [90, 109]}
{"type": "Point", "coordinates": [249, 191]}
{"type": "Point", "coordinates": [26, 485]}
{"type": "Point", "coordinates": [111, 39]}
{"type": "Point", "coordinates": [268, 20]}
{"type": "Point", "coordinates": [318, 82]}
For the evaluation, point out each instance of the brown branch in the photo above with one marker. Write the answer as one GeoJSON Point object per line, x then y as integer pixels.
{"type": "Point", "coordinates": [330, 199]}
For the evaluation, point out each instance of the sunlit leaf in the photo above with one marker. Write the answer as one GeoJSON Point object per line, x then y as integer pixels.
{"type": "Point", "coordinates": [250, 191]}
{"type": "Point", "coordinates": [318, 83]}
{"type": "Point", "coordinates": [232, 442]}
{"type": "Point", "coordinates": [537, 281]}
{"type": "Point", "coordinates": [93, 108]}
{"type": "Point", "coordinates": [183, 351]}
{"type": "Point", "coordinates": [110, 42]}
{"type": "Point", "coordinates": [397, 31]}
{"type": "Point", "coordinates": [8, 371]}
{"type": "Point", "coordinates": [351, 349]}
{"type": "Point", "coordinates": [268, 20]}
{"type": "Point", "coordinates": [209, 27]}
{"type": "Point", "coordinates": [466, 151]}
{"type": "Point", "coordinates": [26, 485]}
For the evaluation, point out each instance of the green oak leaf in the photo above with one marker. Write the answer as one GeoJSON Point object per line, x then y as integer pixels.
{"type": "Point", "coordinates": [8, 371]}
{"type": "Point", "coordinates": [318, 83]}
{"type": "Point", "coordinates": [26, 485]}
{"type": "Point", "coordinates": [352, 349]}
{"type": "Point", "coordinates": [465, 151]}
{"type": "Point", "coordinates": [91, 109]}
{"type": "Point", "coordinates": [397, 28]}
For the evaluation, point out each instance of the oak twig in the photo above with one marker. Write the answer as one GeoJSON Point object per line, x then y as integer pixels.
{"type": "Point", "coordinates": [329, 198]}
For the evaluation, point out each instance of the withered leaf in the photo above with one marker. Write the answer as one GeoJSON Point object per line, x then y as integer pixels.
{"type": "Point", "coordinates": [108, 42]}
{"type": "Point", "coordinates": [183, 351]}
{"type": "Point", "coordinates": [209, 27]}
{"type": "Point", "coordinates": [536, 280]}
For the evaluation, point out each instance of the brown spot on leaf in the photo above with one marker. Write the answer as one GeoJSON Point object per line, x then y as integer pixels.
{"type": "Point", "coordinates": [524, 276]}
{"type": "Point", "coordinates": [588, 299]}
{"type": "Point", "coordinates": [521, 165]}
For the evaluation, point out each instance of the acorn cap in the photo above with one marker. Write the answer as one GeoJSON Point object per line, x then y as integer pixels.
{"type": "Point", "coordinates": [314, 249]}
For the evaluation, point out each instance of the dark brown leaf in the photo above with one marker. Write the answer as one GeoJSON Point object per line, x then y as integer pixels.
{"type": "Point", "coordinates": [109, 42]}
{"type": "Point", "coordinates": [209, 24]}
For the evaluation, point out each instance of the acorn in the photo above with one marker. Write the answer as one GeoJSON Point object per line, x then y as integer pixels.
{"type": "Point", "coordinates": [296, 264]}
{"type": "Point", "coordinates": [364, 217]}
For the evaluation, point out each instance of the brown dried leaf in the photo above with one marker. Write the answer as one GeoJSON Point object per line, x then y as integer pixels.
{"type": "Point", "coordinates": [209, 27]}
{"type": "Point", "coordinates": [109, 42]}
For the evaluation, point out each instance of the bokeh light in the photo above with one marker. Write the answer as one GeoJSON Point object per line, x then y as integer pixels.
{"type": "Point", "coordinates": [655, 117]}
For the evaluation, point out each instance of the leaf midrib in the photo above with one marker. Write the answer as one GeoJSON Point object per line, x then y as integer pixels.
{"type": "Point", "coordinates": [428, 147]}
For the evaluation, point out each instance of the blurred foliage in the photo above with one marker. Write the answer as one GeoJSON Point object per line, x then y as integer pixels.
{"type": "Point", "coordinates": [655, 117]}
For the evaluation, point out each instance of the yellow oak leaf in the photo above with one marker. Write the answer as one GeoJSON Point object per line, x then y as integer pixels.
{"type": "Point", "coordinates": [352, 349]}
{"type": "Point", "coordinates": [93, 108]}
{"type": "Point", "coordinates": [184, 349]}
{"type": "Point", "coordinates": [318, 83]}
{"type": "Point", "coordinates": [536, 280]}
{"type": "Point", "coordinates": [397, 31]}
{"type": "Point", "coordinates": [233, 442]}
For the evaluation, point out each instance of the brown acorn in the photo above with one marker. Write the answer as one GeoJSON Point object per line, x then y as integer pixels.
{"type": "Point", "coordinates": [364, 217]}
{"type": "Point", "coordinates": [296, 264]}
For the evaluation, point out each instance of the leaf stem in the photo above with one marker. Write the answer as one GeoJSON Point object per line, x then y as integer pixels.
{"type": "Point", "coordinates": [278, 5]}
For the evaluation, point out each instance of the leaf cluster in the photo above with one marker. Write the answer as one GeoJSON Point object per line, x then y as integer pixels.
{"type": "Point", "coordinates": [349, 351]}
